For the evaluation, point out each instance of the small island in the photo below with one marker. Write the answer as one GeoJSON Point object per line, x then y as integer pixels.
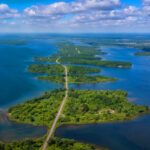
{"type": "Point", "coordinates": [77, 79]}
{"type": "Point", "coordinates": [40, 68]}
{"type": "Point", "coordinates": [77, 74]}
{"type": "Point", "coordinates": [58, 69]}
{"type": "Point", "coordinates": [142, 53]}
{"type": "Point", "coordinates": [13, 42]}
{"type": "Point", "coordinates": [53, 144]}
{"type": "Point", "coordinates": [80, 106]}
{"type": "Point", "coordinates": [74, 54]}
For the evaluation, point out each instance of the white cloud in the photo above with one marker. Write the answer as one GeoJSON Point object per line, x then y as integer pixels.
{"type": "Point", "coordinates": [6, 12]}
{"type": "Point", "coordinates": [62, 8]}
{"type": "Point", "coordinates": [101, 17]}
{"type": "Point", "coordinates": [146, 2]}
{"type": "Point", "coordinates": [89, 14]}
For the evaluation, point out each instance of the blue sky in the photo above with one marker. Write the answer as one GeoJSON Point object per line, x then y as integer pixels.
{"type": "Point", "coordinates": [21, 4]}
{"type": "Point", "coordinates": [137, 3]}
{"type": "Point", "coordinates": [92, 16]}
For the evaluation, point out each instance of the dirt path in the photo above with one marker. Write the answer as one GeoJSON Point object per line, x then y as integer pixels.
{"type": "Point", "coordinates": [61, 107]}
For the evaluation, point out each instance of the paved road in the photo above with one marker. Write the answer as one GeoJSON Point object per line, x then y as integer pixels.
{"type": "Point", "coordinates": [60, 109]}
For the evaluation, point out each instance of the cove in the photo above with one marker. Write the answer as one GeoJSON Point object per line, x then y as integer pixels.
{"type": "Point", "coordinates": [12, 131]}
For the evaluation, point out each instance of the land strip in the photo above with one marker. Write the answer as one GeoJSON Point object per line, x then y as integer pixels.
{"type": "Point", "coordinates": [60, 109]}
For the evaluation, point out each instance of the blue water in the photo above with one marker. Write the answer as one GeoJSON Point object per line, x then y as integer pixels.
{"type": "Point", "coordinates": [10, 131]}
{"type": "Point", "coordinates": [135, 80]}
{"type": "Point", "coordinates": [132, 135]}
{"type": "Point", "coordinates": [17, 85]}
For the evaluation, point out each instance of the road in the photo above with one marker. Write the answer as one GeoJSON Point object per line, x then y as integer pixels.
{"type": "Point", "coordinates": [60, 109]}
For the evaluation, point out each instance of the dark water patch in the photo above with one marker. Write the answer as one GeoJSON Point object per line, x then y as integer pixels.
{"type": "Point", "coordinates": [10, 131]}
{"type": "Point", "coordinates": [132, 135]}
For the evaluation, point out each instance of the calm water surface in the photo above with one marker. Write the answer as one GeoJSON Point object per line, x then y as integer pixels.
{"type": "Point", "coordinates": [10, 131]}
{"type": "Point", "coordinates": [17, 85]}
{"type": "Point", "coordinates": [132, 135]}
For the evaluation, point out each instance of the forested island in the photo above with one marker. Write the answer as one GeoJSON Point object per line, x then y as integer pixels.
{"type": "Point", "coordinates": [142, 54]}
{"type": "Point", "coordinates": [74, 54]}
{"type": "Point", "coordinates": [77, 74]}
{"type": "Point", "coordinates": [77, 79]}
{"type": "Point", "coordinates": [53, 144]}
{"type": "Point", "coordinates": [82, 106]}
{"type": "Point", "coordinates": [13, 42]}
{"type": "Point", "coordinates": [58, 69]}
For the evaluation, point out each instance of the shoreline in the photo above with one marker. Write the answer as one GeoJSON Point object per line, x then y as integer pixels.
{"type": "Point", "coordinates": [68, 124]}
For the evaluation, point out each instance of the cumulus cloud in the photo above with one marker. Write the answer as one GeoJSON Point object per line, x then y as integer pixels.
{"type": "Point", "coordinates": [84, 13]}
{"type": "Point", "coordinates": [146, 2]}
{"type": "Point", "coordinates": [62, 8]}
{"type": "Point", "coordinates": [129, 13]}
{"type": "Point", "coordinates": [6, 12]}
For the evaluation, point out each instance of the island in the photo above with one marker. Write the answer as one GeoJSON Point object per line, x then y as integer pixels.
{"type": "Point", "coordinates": [83, 106]}
{"type": "Point", "coordinates": [58, 69]}
{"type": "Point", "coordinates": [77, 79]}
{"type": "Point", "coordinates": [142, 53]}
{"type": "Point", "coordinates": [13, 42]}
{"type": "Point", "coordinates": [74, 54]}
{"type": "Point", "coordinates": [70, 106]}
